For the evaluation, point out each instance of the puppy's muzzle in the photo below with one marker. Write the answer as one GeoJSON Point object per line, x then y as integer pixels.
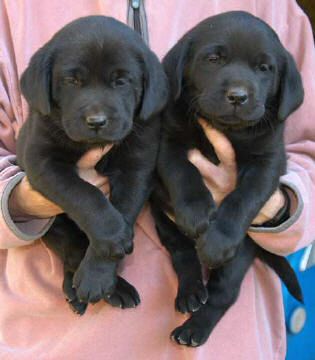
{"type": "Point", "coordinates": [96, 122]}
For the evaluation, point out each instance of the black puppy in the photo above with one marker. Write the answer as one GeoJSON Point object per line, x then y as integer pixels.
{"type": "Point", "coordinates": [94, 83]}
{"type": "Point", "coordinates": [231, 70]}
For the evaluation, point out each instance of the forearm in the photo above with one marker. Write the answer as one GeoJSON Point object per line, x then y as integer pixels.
{"type": "Point", "coordinates": [14, 230]}
{"type": "Point", "coordinates": [299, 229]}
{"type": "Point", "coordinates": [129, 192]}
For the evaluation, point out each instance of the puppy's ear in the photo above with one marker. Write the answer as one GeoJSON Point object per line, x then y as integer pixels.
{"type": "Point", "coordinates": [36, 81]}
{"type": "Point", "coordinates": [291, 89]}
{"type": "Point", "coordinates": [174, 64]}
{"type": "Point", "coordinates": [155, 88]}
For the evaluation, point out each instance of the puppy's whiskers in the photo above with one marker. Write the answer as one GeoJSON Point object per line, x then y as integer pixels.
{"type": "Point", "coordinates": [271, 109]}
{"type": "Point", "coordinates": [192, 108]}
{"type": "Point", "coordinates": [58, 133]}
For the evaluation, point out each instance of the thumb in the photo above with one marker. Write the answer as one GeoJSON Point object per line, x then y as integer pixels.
{"type": "Point", "coordinates": [221, 144]}
{"type": "Point", "coordinates": [205, 167]}
{"type": "Point", "coordinates": [92, 157]}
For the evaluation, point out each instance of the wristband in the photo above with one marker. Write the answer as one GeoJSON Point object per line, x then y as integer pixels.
{"type": "Point", "coordinates": [282, 215]}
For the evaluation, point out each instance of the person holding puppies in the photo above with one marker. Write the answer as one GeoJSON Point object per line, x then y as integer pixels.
{"type": "Point", "coordinates": [35, 322]}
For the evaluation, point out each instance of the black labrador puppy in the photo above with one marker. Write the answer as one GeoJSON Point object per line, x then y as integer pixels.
{"type": "Point", "coordinates": [94, 83]}
{"type": "Point", "coordinates": [233, 71]}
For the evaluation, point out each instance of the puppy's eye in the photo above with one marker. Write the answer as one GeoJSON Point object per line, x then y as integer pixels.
{"type": "Point", "coordinates": [213, 58]}
{"type": "Point", "coordinates": [264, 67]}
{"type": "Point", "coordinates": [120, 82]}
{"type": "Point", "coordinates": [69, 80]}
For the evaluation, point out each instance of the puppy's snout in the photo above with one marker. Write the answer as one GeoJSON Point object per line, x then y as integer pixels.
{"type": "Point", "coordinates": [237, 95]}
{"type": "Point", "coordinates": [96, 121]}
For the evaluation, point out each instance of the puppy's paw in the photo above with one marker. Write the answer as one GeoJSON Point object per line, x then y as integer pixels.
{"type": "Point", "coordinates": [193, 215]}
{"type": "Point", "coordinates": [190, 334]}
{"type": "Point", "coordinates": [75, 304]}
{"type": "Point", "coordinates": [191, 296]}
{"type": "Point", "coordinates": [95, 278]}
{"type": "Point", "coordinates": [124, 296]}
{"type": "Point", "coordinates": [115, 245]}
{"type": "Point", "coordinates": [215, 247]}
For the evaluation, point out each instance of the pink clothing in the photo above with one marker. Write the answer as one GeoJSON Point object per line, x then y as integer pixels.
{"type": "Point", "coordinates": [35, 321]}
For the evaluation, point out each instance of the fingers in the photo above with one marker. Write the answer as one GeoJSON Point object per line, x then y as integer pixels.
{"type": "Point", "coordinates": [206, 168]}
{"type": "Point", "coordinates": [92, 157]}
{"type": "Point", "coordinates": [105, 189]}
{"type": "Point", "coordinates": [91, 176]}
{"type": "Point", "coordinates": [86, 168]}
{"type": "Point", "coordinates": [221, 144]}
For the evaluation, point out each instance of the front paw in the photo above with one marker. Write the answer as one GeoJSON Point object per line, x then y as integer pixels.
{"type": "Point", "coordinates": [215, 246]}
{"type": "Point", "coordinates": [192, 215]}
{"type": "Point", "coordinates": [95, 278]}
{"type": "Point", "coordinates": [75, 304]}
{"type": "Point", "coordinates": [191, 296]}
{"type": "Point", "coordinates": [114, 245]}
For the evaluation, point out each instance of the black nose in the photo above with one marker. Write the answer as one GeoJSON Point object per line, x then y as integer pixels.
{"type": "Point", "coordinates": [96, 121]}
{"type": "Point", "coordinates": [237, 95]}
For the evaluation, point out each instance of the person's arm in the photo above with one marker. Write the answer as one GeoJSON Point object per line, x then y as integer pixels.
{"type": "Point", "coordinates": [298, 230]}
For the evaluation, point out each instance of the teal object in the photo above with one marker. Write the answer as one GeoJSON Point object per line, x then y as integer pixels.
{"type": "Point", "coordinates": [300, 318]}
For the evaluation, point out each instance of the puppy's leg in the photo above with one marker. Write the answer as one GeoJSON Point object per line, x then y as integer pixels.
{"type": "Point", "coordinates": [100, 281]}
{"type": "Point", "coordinates": [222, 238]}
{"type": "Point", "coordinates": [191, 291]}
{"type": "Point", "coordinates": [131, 172]}
{"type": "Point", "coordinates": [192, 202]}
{"type": "Point", "coordinates": [107, 231]}
{"type": "Point", "coordinates": [84, 203]}
{"type": "Point", "coordinates": [70, 244]}
{"type": "Point", "coordinates": [223, 287]}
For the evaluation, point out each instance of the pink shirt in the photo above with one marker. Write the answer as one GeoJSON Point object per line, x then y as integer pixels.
{"type": "Point", "coordinates": [35, 321]}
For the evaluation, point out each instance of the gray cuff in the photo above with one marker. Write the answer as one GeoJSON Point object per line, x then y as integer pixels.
{"type": "Point", "coordinates": [28, 229]}
{"type": "Point", "coordinates": [292, 219]}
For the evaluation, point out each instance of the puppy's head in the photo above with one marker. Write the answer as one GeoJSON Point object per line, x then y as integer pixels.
{"type": "Point", "coordinates": [233, 70]}
{"type": "Point", "coordinates": [98, 76]}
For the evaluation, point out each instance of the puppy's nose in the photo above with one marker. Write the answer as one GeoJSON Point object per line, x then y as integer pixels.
{"type": "Point", "coordinates": [237, 95]}
{"type": "Point", "coordinates": [96, 121]}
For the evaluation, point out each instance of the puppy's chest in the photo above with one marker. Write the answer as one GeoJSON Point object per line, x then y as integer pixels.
{"type": "Point", "coordinates": [112, 165]}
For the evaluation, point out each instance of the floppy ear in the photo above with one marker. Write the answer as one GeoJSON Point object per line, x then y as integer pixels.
{"type": "Point", "coordinates": [155, 91]}
{"type": "Point", "coordinates": [36, 81]}
{"type": "Point", "coordinates": [174, 64]}
{"type": "Point", "coordinates": [291, 89]}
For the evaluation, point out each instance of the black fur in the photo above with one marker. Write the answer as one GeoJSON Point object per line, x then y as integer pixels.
{"type": "Point", "coordinates": [93, 67]}
{"type": "Point", "coordinates": [232, 70]}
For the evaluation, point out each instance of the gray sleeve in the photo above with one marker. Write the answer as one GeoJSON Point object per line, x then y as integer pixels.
{"type": "Point", "coordinates": [27, 229]}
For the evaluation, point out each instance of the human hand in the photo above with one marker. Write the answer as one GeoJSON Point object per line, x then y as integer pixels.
{"type": "Point", "coordinates": [221, 179]}
{"type": "Point", "coordinates": [25, 201]}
